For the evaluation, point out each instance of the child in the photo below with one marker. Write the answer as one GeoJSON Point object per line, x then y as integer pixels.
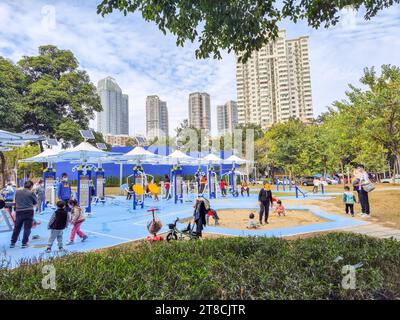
{"type": "Point", "coordinates": [167, 185]}
{"type": "Point", "coordinates": [280, 209]}
{"type": "Point", "coordinates": [244, 187]}
{"type": "Point", "coordinates": [57, 224]}
{"type": "Point", "coordinates": [223, 188]}
{"type": "Point", "coordinates": [349, 199]}
{"type": "Point", "coordinates": [212, 213]}
{"type": "Point", "coordinates": [77, 218]}
{"type": "Point", "coordinates": [251, 224]}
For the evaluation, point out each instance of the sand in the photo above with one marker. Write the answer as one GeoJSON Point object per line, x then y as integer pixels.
{"type": "Point", "coordinates": [238, 218]}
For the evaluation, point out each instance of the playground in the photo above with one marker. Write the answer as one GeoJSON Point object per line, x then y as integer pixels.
{"type": "Point", "coordinates": [115, 222]}
{"type": "Point", "coordinates": [115, 219]}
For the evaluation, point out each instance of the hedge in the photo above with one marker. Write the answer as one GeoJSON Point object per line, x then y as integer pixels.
{"type": "Point", "coordinates": [222, 268]}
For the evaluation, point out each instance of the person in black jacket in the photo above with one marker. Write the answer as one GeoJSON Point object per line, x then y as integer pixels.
{"type": "Point", "coordinates": [200, 212]}
{"type": "Point", "coordinates": [264, 200]}
{"type": "Point", "coordinates": [57, 224]}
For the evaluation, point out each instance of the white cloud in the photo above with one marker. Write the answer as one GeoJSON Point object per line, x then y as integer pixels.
{"type": "Point", "coordinates": [146, 62]}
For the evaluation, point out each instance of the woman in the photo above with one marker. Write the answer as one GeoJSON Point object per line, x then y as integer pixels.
{"type": "Point", "coordinates": [363, 195]}
{"type": "Point", "coordinates": [265, 200]}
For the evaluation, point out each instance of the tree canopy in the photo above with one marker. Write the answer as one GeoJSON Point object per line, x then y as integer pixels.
{"type": "Point", "coordinates": [364, 128]}
{"type": "Point", "coordinates": [48, 94]}
{"type": "Point", "coordinates": [241, 26]}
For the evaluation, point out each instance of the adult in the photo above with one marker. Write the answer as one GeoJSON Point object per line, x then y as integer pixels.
{"type": "Point", "coordinates": [363, 195]}
{"type": "Point", "coordinates": [25, 200]}
{"type": "Point", "coordinates": [41, 195]}
{"type": "Point", "coordinates": [203, 184]}
{"type": "Point", "coordinates": [316, 183]}
{"type": "Point", "coordinates": [9, 195]}
{"type": "Point", "coordinates": [64, 190]}
{"type": "Point", "coordinates": [356, 181]}
{"type": "Point", "coordinates": [265, 200]}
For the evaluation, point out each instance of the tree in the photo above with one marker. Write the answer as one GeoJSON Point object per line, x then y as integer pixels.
{"type": "Point", "coordinates": [12, 161]}
{"type": "Point", "coordinates": [374, 114]}
{"type": "Point", "coordinates": [59, 98]}
{"type": "Point", "coordinates": [241, 26]}
{"type": "Point", "coordinates": [283, 145]}
{"type": "Point", "coordinates": [11, 96]}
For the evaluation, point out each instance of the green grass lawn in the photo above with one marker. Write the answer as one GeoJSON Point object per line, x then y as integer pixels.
{"type": "Point", "coordinates": [223, 268]}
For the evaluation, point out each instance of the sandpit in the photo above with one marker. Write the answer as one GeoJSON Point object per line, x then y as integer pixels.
{"type": "Point", "coordinates": [238, 218]}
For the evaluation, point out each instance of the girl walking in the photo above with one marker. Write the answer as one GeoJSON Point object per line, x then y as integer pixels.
{"type": "Point", "coordinates": [77, 219]}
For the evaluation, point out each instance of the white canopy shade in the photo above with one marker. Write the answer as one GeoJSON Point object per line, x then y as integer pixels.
{"type": "Point", "coordinates": [48, 155]}
{"type": "Point", "coordinates": [178, 157]}
{"type": "Point", "coordinates": [83, 152]}
{"type": "Point", "coordinates": [212, 159]}
{"type": "Point", "coordinates": [235, 160]}
{"type": "Point", "coordinates": [138, 154]}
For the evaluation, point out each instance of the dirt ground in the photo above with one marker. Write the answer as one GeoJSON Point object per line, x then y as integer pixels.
{"type": "Point", "coordinates": [238, 218]}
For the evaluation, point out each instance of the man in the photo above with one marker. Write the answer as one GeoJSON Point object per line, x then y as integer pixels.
{"type": "Point", "coordinates": [64, 190]}
{"type": "Point", "coordinates": [316, 183]}
{"type": "Point", "coordinates": [9, 195]}
{"type": "Point", "coordinates": [362, 194]}
{"type": "Point", "coordinates": [25, 200]}
{"type": "Point", "coordinates": [264, 200]}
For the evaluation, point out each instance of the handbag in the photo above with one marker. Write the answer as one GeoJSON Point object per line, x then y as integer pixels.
{"type": "Point", "coordinates": [368, 187]}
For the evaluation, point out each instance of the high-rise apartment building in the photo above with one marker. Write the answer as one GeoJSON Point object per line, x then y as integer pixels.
{"type": "Point", "coordinates": [156, 118]}
{"type": "Point", "coordinates": [274, 85]}
{"type": "Point", "coordinates": [227, 116]}
{"type": "Point", "coordinates": [114, 119]}
{"type": "Point", "coordinates": [200, 110]}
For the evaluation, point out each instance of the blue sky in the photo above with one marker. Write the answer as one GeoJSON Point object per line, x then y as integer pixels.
{"type": "Point", "coordinates": [145, 62]}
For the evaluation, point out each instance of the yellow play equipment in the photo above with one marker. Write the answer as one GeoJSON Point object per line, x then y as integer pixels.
{"type": "Point", "coordinates": [154, 189]}
{"type": "Point", "coordinates": [138, 189]}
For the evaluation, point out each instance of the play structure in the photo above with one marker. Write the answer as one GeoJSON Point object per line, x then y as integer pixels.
{"type": "Point", "coordinates": [50, 187]}
{"type": "Point", "coordinates": [154, 226]}
{"type": "Point", "coordinates": [99, 185]}
{"type": "Point", "coordinates": [301, 193]}
{"type": "Point", "coordinates": [139, 184]}
{"type": "Point", "coordinates": [212, 183]}
{"type": "Point", "coordinates": [200, 179]}
{"type": "Point", "coordinates": [285, 183]}
{"type": "Point", "coordinates": [6, 217]}
{"type": "Point", "coordinates": [84, 186]}
{"type": "Point", "coordinates": [177, 184]}
{"type": "Point", "coordinates": [234, 179]}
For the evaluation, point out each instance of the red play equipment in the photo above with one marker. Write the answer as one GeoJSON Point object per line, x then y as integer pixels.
{"type": "Point", "coordinates": [154, 226]}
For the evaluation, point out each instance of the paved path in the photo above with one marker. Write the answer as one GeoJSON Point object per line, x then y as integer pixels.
{"type": "Point", "coordinates": [375, 230]}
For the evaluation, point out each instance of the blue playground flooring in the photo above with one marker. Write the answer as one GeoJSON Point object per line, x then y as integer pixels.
{"type": "Point", "coordinates": [115, 223]}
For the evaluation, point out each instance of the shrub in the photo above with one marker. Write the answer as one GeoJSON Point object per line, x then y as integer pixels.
{"type": "Point", "coordinates": [223, 268]}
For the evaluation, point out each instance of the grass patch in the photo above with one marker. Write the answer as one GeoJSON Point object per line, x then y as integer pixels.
{"type": "Point", "coordinates": [381, 204]}
{"type": "Point", "coordinates": [224, 268]}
